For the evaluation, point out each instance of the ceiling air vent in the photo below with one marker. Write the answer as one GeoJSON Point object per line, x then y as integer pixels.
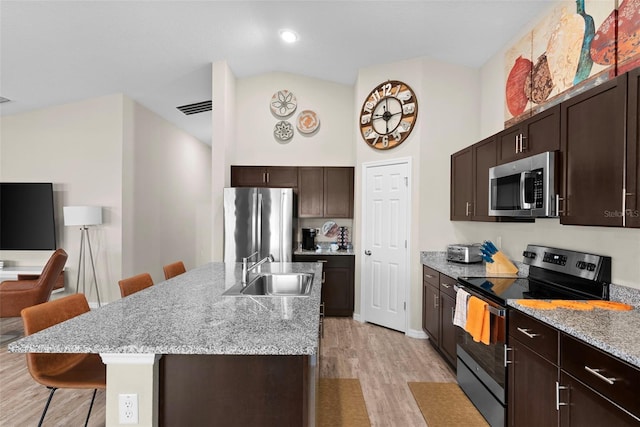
{"type": "Point", "coordinates": [3, 100]}
{"type": "Point", "coordinates": [198, 107]}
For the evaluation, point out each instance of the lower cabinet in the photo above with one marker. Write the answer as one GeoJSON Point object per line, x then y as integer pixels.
{"type": "Point", "coordinates": [337, 282]}
{"type": "Point", "coordinates": [236, 390]}
{"type": "Point", "coordinates": [558, 380]}
{"type": "Point", "coordinates": [438, 306]}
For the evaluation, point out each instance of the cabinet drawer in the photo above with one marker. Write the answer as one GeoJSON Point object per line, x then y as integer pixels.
{"type": "Point", "coordinates": [430, 275]}
{"type": "Point", "coordinates": [534, 334]}
{"type": "Point", "coordinates": [446, 285]}
{"type": "Point", "coordinates": [609, 376]}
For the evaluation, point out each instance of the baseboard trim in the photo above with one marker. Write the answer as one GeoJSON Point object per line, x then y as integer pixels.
{"type": "Point", "coordinates": [417, 334]}
{"type": "Point", "coordinates": [357, 317]}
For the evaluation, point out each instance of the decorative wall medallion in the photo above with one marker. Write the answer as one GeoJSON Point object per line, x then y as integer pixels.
{"type": "Point", "coordinates": [308, 122]}
{"type": "Point", "coordinates": [283, 131]}
{"type": "Point", "coordinates": [283, 103]}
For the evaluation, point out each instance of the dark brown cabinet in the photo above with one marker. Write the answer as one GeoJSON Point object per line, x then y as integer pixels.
{"type": "Point", "coordinates": [632, 198]}
{"type": "Point", "coordinates": [532, 372]}
{"type": "Point", "coordinates": [337, 282]}
{"type": "Point", "coordinates": [593, 132]}
{"type": "Point", "coordinates": [470, 181]}
{"type": "Point", "coordinates": [558, 380]}
{"type": "Point", "coordinates": [438, 305]}
{"type": "Point", "coordinates": [325, 192]}
{"type": "Point", "coordinates": [534, 135]}
{"type": "Point", "coordinates": [430, 304]}
{"type": "Point", "coordinates": [264, 176]}
{"type": "Point", "coordinates": [462, 185]}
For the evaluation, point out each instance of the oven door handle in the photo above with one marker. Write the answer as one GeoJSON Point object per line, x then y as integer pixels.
{"type": "Point", "coordinates": [500, 312]}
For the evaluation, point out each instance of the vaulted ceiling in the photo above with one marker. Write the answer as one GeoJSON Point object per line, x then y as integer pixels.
{"type": "Point", "coordinates": [160, 52]}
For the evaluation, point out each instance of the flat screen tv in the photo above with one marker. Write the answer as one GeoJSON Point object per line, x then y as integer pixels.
{"type": "Point", "coordinates": [26, 216]}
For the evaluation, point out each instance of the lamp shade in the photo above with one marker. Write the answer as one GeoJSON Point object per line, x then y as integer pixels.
{"type": "Point", "coordinates": [82, 215]}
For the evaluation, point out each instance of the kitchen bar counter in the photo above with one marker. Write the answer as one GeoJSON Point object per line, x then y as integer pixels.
{"type": "Point", "coordinates": [188, 315]}
{"type": "Point", "coordinates": [182, 334]}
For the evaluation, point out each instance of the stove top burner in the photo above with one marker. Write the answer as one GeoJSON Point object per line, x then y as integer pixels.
{"type": "Point", "coordinates": [500, 289]}
{"type": "Point", "coordinates": [553, 274]}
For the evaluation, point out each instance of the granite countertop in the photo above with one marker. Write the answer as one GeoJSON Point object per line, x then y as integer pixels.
{"type": "Point", "coordinates": [438, 261]}
{"type": "Point", "coordinates": [188, 315]}
{"type": "Point", "coordinates": [614, 332]}
{"type": "Point", "coordinates": [324, 251]}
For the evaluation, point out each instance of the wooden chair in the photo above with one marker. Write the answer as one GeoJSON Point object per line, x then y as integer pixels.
{"type": "Point", "coordinates": [174, 269]}
{"type": "Point", "coordinates": [62, 370]}
{"type": "Point", "coordinates": [135, 284]}
{"type": "Point", "coordinates": [18, 294]}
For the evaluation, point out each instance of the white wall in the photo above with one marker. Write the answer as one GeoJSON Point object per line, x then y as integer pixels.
{"type": "Point", "coordinates": [331, 145]}
{"type": "Point", "coordinates": [152, 180]}
{"type": "Point", "coordinates": [447, 118]}
{"type": "Point", "coordinates": [76, 146]}
{"type": "Point", "coordinates": [168, 195]}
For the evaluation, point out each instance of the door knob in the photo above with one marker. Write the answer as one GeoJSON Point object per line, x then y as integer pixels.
{"type": "Point", "coordinates": [367, 252]}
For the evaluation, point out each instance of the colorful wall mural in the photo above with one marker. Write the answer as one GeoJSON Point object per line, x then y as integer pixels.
{"type": "Point", "coordinates": [574, 47]}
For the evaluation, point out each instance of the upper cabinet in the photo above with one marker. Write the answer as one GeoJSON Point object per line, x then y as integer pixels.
{"type": "Point", "coordinates": [470, 181]}
{"type": "Point", "coordinates": [325, 192]}
{"type": "Point", "coordinates": [535, 135]}
{"type": "Point", "coordinates": [593, 133]}
{"type": "Point", "coordinates": [264, 176]}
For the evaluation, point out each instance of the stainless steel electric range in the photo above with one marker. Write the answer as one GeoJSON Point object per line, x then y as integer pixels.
{"type": "Point", "coordinates": [553, 274]}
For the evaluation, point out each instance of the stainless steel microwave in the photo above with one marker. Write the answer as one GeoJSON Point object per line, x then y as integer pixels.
{"type": "Point", "coordinates": [525, 187]}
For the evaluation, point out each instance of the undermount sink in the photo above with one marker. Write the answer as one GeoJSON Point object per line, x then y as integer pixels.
{"type": "Point", "coordinates": [275, 284]}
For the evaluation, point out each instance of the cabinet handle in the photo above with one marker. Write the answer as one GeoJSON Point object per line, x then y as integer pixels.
{"type": "Point", "coordinates": [527, 333]}
{"type": "Point", "coordinates": [523, 147]}
{"type": "Point", "coordinates": [558, 199]}
{"type": "Point", "coordinates": [597, 373]}
{"type": "Point", "coordinates": [429, 276]}
{"type": "Point", "coordinates": [466, 210]}
{"type": "Point", "coordinates": [445, 285]}
{"type": "Point", "coordinates": [267, 177]}
{"type": "Point", "coordinates": [558, 388]}
{"type": "Point", "coordinates": [321, 260]}
{"type": "Point", "coordinates": [517, 144]}
{"type": "Point", "coordinates": [506, 359]}
{"type": "Point", "coordinates": [435, 301]}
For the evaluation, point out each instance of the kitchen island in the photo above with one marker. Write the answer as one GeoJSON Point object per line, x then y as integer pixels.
{"type": "Point", "coordinates": [157, 341]}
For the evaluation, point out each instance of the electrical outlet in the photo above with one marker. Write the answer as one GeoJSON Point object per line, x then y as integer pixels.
{"type": "Point", "coordinates": [128, 408]}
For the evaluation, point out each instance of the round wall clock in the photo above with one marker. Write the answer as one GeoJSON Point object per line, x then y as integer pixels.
{"type": "Point", "coordinates": [388, 115]}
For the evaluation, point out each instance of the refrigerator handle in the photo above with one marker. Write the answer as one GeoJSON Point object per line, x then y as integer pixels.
{"type": "Point", "coordinates": [282, 225]}
{"type": "Point", "coordinates": [259, 227]}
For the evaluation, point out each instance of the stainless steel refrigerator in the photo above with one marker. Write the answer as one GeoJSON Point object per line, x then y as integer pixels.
{"type": "Point", "coordinates": [258, 220]}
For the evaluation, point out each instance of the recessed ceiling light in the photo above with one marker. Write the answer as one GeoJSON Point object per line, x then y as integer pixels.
{"type": "Point", "coordinates": [288, 36]}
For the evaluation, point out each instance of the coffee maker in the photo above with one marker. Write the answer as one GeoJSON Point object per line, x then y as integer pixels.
{"type": "Point", "coordinates": [309, 239]}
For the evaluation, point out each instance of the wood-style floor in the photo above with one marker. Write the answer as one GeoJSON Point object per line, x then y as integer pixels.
{"type": "Point", "coordinates": [383, 360]}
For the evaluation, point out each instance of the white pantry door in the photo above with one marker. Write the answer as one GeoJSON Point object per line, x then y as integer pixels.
{"type": "Point", "coordinates": [386, 221]}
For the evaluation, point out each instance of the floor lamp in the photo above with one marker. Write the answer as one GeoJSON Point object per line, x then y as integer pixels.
{"type": "Point", "coordinates": [84, 216]}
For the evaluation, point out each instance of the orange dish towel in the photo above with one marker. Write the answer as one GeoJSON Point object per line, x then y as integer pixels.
{"type": "Point", "coordinates": [478, 323]}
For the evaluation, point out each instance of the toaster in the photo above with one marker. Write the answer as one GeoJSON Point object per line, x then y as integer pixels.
{"type": "Point", "coordinates": [464, 253]}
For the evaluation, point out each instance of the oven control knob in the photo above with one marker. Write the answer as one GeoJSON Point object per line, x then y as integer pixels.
{"type": "Point", "coordinates": [591, 267]}
{"type": "Point", "coordinates": [529, 254]}
{"type": "Point", "coordinates": [581, 265]}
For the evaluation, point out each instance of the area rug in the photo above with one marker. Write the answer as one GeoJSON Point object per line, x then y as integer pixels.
{"type": "Point", "coordinates": [445, 405]}
{"type": "Point", "coordinates": [341, 403]}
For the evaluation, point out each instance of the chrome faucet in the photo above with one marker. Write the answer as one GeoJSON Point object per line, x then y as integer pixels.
{"type": "Point", "coordinates": [246, 269]}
